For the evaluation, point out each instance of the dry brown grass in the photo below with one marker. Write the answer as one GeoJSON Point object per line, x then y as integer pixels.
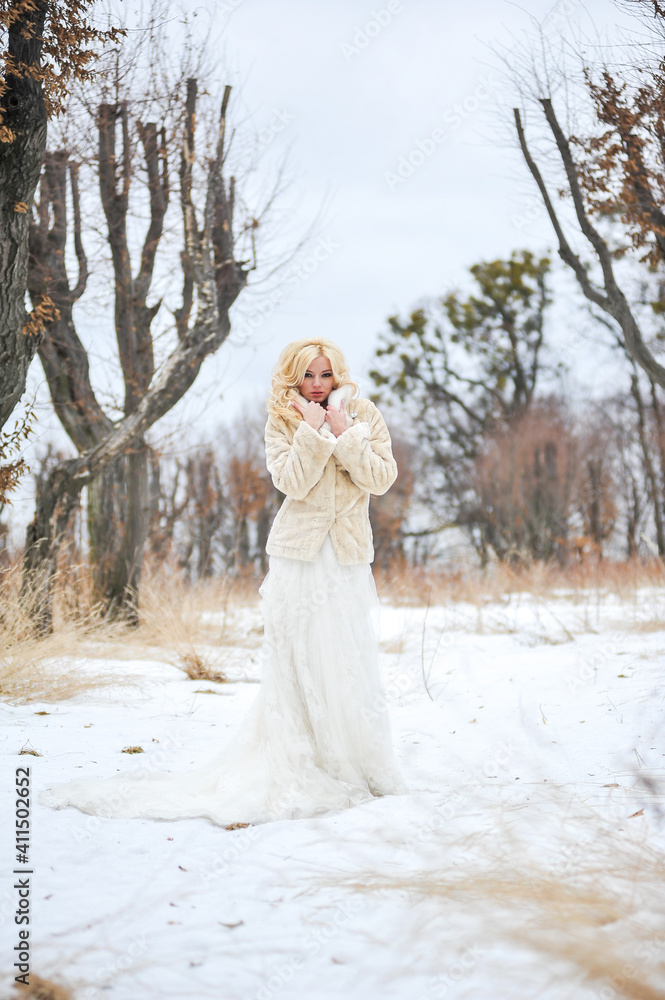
{"type": "Point", "coordinates": [198, 626]}
{"type": "Point", "coordinates": [195, 624]}
{"type": "Point", "coordinates": [562, 923]}
{"type": "Point", "coordinates": [41, 989]}
{"type": "Point", "coordinates": [417, 585]}
{"type": "Point", "coordinates": [393, 646]}
{"type": "Point", "coordinates": [36, 668]}
{"type": "Point", "coordinates": [187, 625]}
{"type": "Point", "coordinates": [601, 916]}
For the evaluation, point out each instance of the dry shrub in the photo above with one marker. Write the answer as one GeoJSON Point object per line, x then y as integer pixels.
{"type": "Point", "coordinates": [200, 667]}
{"type": "Point", "coordinates": [42, 989]}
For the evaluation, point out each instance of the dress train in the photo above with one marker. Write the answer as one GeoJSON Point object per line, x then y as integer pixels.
{"type": "Point", "coordinates": [317, 737]}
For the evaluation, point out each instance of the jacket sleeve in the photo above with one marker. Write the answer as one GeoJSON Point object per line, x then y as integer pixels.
{"type": "Point", "coordinates": [295, 467]}
{"type": "Point", "coordinates": [365, 451]}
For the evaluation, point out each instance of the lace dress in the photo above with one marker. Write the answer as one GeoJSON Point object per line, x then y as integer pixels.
{"type": "Point", "coordinates": [317, 737]}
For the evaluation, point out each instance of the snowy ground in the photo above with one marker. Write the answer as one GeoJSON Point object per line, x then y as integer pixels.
{"type": "Point", "coordinates": [530, 850]}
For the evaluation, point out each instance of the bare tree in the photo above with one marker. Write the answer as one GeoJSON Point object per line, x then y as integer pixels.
{"type": "Point", "coordinates": [118, 507]}
{"type": "Point", "coordinates": [596, 491]}
{"type": "Point", "coordinates": [618, 173]}
{"type": "Point", "coordinates": [632, 489]}
{"type": "Point", "coordinates": [523, 482]}
{"type": "Point", "coordinates": [205, 510]}
{"type": "Point", "coordinates": [251, 498]}
{"type": "Point", "coordinates": [217, 503]}
{"type": "Point", "coordinates": [389, 513]}
{"type": "Point", "coordinates": [212, 280]}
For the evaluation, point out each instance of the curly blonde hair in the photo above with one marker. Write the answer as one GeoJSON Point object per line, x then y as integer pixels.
{"type": "Point", "coordinates": [289, 373]}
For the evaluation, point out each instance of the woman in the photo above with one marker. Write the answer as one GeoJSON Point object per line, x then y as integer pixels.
{"type": "Point", "coordinates": [317, 737]}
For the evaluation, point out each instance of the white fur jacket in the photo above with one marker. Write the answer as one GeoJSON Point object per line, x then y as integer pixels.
{"type": "Point", "coordinates": [328, 481]}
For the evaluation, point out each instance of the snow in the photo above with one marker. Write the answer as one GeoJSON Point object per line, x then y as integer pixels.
{"type": "Point", "coordinates": [530, 732]}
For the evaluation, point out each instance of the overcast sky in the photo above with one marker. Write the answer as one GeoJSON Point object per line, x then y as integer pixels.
{"type": "Point", "coordinates": [391, 117]}
{"type": "Point", "coordinates": [355, 112]}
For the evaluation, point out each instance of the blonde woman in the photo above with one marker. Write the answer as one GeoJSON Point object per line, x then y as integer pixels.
{"type": "Point", "coordinates": [326, 452]}
{"type": "Point", "coordinates": [317, 736]}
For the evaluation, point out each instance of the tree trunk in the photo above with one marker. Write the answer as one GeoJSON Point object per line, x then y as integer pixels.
{"type": "Point", "coordinates": [594, 474]}
{"type": "Point", "coordinates": [262, 531]}
{"type": "Point", "coordinates": [22, 146]}
{"type": "Point", "coordinates": [660, 437]}
{"type": "Point", "coordinates": [632, 522]}
{"type": "Point", "coordinates": [106, 511]}
{"type": "Point", "coordinates": [649, 469]}
{"type": "Point", "coordinates": [119, 506]}
{"type": "Point", "coordinates": [54, 506]}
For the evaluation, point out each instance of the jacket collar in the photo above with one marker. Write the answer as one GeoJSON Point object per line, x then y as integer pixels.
{"type": "Point", "coordinates": [344, 392]}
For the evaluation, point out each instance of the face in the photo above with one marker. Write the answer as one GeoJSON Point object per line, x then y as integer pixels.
{"type": "Point", "coordinates": [318, 381]}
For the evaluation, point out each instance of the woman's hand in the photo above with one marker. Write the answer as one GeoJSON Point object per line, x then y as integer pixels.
{"type": "Point", "coordinates": [313, 413]}
{"type": "Point", "coordinates": [336, 419]}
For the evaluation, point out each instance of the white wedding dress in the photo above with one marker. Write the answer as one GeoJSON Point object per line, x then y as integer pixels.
{"type": "Point", "coordinates": [317, 737]}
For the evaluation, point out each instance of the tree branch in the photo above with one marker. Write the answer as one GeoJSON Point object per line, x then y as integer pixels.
{"type": "Point", "coordinates": [565, 250]}
{"type": "Point", "coordinates": [81, 258]}
{"type": "Point", "coordinates": [158, 187]}
{"type": "Point", "coordinates": [613, 301]}
{"type": "Point", "coordinates": [62, 354]}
